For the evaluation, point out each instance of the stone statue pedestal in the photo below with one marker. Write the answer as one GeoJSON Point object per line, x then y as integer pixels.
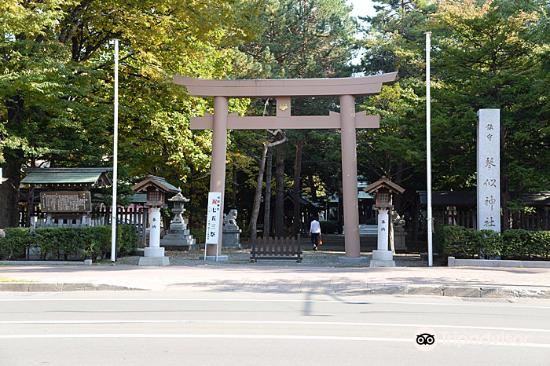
{"type": "Point", "coordinates": [399, 237]}
{"type": "Point", "coordinates": [231, 231]}
{"type": "Point", "coordinates": [231, 239]}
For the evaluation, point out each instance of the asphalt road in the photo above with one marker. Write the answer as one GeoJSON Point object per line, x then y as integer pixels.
{"type": "Point", "coordinates": [234, 328]}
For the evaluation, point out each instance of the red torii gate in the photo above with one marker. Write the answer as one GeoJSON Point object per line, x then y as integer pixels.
{"type": "Point", "coordinates": [283, 90]}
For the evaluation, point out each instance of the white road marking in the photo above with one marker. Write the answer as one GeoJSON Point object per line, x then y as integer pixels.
{"type": "Point", "coordinates": [370, 301]}
{"type": "Point", "coordinates": [264, 337]}
{"type": "Point", "coordinates": [268, 322]}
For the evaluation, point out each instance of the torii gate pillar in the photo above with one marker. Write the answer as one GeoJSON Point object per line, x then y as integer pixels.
{"type": "Point", "coordinates": [349, 176]}
{"type": "Point", "coordinates": [219, 148]}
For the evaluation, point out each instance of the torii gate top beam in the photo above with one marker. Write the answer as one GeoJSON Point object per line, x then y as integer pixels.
{"type": "Point", "coordinates": [285, 87]}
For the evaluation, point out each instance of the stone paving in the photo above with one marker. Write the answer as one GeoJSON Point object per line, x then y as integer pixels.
{"type": "Point", "coordinates": [320, 272]}
{"type": "Point", "coordinates": [310, 259]}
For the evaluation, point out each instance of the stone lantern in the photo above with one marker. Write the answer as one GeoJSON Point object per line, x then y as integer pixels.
{"type": "Point", "coordinates": [156, 189]}
{"type": "Point", "coordinates": [178, 235]}
{"type": "Point", "coordinates": [383, 190]}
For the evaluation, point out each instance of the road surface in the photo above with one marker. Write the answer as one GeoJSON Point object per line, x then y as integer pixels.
{"type": "Point", "coordinates": [242, 328]}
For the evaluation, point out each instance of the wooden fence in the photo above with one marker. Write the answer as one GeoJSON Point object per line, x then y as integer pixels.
{"type": "Point", "coordinates": [133, 215]}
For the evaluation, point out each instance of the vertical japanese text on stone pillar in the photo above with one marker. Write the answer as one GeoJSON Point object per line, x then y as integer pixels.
{"type": "Point", "coordinates": [488, 170]}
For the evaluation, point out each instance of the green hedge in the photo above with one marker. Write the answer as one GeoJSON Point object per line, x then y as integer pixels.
{"type": "Point", "coordinates": [461, 242]}
{"type": "Point", "coordinates": [67, 243]}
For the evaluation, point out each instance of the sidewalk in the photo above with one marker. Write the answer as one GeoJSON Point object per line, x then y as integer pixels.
{"type": "Point", "coordinates": [320, 273]}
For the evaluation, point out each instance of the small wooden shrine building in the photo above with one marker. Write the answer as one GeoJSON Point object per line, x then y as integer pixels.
{"type": "Point", "coordinates": [65, 194]}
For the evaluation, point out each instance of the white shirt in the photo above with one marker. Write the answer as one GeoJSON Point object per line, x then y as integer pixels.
{"type": "Point", "coordinates": [315, 227]}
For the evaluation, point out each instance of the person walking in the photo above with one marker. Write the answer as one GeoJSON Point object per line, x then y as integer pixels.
{"type": "Point", "coordinates": [315, 231]}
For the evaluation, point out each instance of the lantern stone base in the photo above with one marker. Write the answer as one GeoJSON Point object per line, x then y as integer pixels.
{"type": "Point", "coordinates": [353, 260]}
{"type": "Point", "coordinates": [154, 261]}
{"type": "Point", "coordinates": [382, 258]}
{"type": "Point", "coordinates": [221, 258]}
{"type": "Point", "coordinates": [153, 252]}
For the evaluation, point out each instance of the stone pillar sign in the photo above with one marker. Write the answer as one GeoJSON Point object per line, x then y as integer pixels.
{"type": "Point", "coordinates": [488, 170]}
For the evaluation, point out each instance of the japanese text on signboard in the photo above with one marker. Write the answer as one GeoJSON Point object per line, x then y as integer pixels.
{"type": "Point", "coordinates": [213, 217]}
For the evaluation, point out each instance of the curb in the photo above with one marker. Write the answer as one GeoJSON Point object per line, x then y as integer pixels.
{"type": "Point", "coordinates": [60, 287]}
{"type": "Point", "coordinates": [496, 263]}
{"type": "Point", "coordinates": [447, 291]}
{"type": "Point", "coordinates": [457, 291]}
{"type": "Point", "coordinates": [43, 263]}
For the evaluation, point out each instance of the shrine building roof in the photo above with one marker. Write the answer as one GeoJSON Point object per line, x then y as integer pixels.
{"type": "Point", "coordinates": [64, 176]}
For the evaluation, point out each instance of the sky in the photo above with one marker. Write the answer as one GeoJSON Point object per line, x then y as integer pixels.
{"type": "Point", "coordinates": [362, 7]}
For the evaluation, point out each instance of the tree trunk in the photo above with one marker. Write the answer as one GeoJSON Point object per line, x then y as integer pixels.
{"type": "Point", "coordinates": [9, 190]}
{"type": "Point", "coordinates": [504, 182]}
{"type": "Point", "coordinates": [267, 199]}
{"type": "Point", "coordinates": [280, 194]}
{"type": "Point", "coordinates": [257, 196]}
{"type": "Point", "coordinates": [296, 223]}
{"type": "Point", "coordinates": [9, 193]}
{"type": "Point", "coordinates": [234, 185]}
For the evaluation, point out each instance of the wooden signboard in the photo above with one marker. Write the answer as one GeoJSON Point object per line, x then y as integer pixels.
{"type": "Point", "coordinates": [66, 201]}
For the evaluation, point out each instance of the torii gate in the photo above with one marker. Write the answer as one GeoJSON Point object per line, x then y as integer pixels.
{"type": "Point", "coordinates": [283, 90]}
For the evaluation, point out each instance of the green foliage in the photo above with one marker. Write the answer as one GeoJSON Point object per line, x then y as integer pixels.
{"type": "Point", "coordinates": [56, 83]}
{"type": "Point", "coordinates": [457, 241]}
{"type": "Point", "coordinates": [302, 39]}
{"type": "Point", "coordinates": [64, 243]}
{"type": "Point", "coordinates": [461, 242]}
{"type": "Point", "coordinates": [298, 39]}
{"type": "Point", "coordinates": [491, 54]}
{"type": "Point", "coordinates": [485, 54]}
{"type": "Point", "coordinates": [15, 242]}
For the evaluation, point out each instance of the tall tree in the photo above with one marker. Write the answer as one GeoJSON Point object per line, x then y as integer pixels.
{"type": "Point", "coordinates": [494, 54]}
{"type": "Point", "coordinates": [55, 89]}
{"type": "Point", "coordinates": [485, 54]}
{"type": "Point", "coordinates": [394, 41]}
{"type": "Point", "coordinates": [302, 39]}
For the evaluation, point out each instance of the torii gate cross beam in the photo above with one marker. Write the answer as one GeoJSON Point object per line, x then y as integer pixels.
{"type": "Point", "coordinates": [283, 90]}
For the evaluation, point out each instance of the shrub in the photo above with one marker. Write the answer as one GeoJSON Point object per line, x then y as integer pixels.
{"type": "Point", "coordinates": [490, 244]}
{"type": "Point", "coordinates": [457, 241]}
{"type": "Point", "coordinates": [461, 242]}
{"type": "Point", "coordinates": [15, 244]}
{"type": "Point", "coordinates": [66, 243]}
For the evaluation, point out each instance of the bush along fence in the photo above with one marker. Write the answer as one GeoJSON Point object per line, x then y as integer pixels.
{"type": "Point", "coordinates": [66, 243]}
{"type": "Point", "coordinates": [461, 242]}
